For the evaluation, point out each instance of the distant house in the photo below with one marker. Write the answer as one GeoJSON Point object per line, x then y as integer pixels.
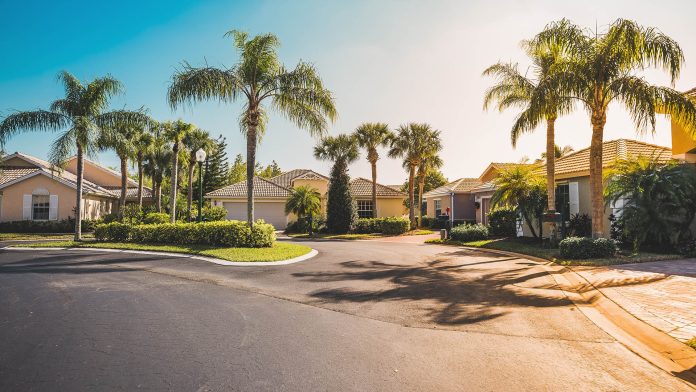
{"type": "Point", "coordinates": [33, 189]}
{"type": "Point", "coordinates": [271, 194]}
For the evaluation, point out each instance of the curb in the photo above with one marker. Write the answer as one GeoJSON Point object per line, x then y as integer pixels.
{"type": "Point", "coordinates": [213, 260]}
{"type": "Point", "coordinates": [651, 344]}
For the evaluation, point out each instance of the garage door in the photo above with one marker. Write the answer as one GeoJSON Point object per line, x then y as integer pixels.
{"type": "Point", "coordinates": [271, 212]}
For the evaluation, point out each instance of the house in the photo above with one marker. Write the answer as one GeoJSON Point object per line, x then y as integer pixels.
{"type": "Point", "coordinates": [33, 189]}
{"type": "Point", "coordinates": [271, 194]}
{"type": "Point", "coordinates": [683, 144]}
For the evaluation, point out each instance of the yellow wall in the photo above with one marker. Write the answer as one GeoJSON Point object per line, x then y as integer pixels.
{"type": "Point", "coordinates": [322, 186]}
{"type": "Point", "coordinates": [95, 174]}
{"type": "Point", "coordinates": [387, 207]}
{"type": "Point", "coordinates": [489, 175]}
{"type": "Point", "coordinates": [430, 204]}
{"type": "Point", "coordinates": [682, 142]}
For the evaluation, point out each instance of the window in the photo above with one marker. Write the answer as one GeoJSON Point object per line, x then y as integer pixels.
{"type": "Point", "coordinates": [40, 205]}
{"type": "Point", "coordinates": [365, 208]}
{"type": "Point", "coordinates": [563, 201]}
{"type": "Point", "coordinates": [438, 208]}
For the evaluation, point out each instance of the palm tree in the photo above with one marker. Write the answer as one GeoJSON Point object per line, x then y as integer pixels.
{"type": "Point", "coordinates": [195, 140]}
{"type": "Point", "coordinates": [427, 165]}
{"type": "Point", "coordinates": [514, 89]}
{"type": "Point", "coordinates": [157, 161]}
{"type": "Point", "coordinates": [122, 138]}
{"type": "Point", "coordinates": [82, 115]}
{"type": "Point", "coordinates": [338, 149]}
{"type": "Point", "coordinates": [304, 201]}
{"type": "Point", "coordinates": [143, 145]}
{"type": "Point", "coordinates": [260, 79]}
{"type": "Point", "coordinates": [602, 68]}
{"type": "Point", "coordinates": [370, 136]}
{"type": "Point", "coordinates": [559, 152]}
{"type": "Point", "coordinates": [520, 186]}
{"type": "Point", "coordinates": [175, 132]}
{"type": "Point", "coordinates": [414, 143]}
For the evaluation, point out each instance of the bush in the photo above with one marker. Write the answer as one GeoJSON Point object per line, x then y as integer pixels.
{"type": "Point", "coordinates": [132, 214]}
{"type": "Point", "coordinates": [469, 232]}
{"type": "Point", "coordinates": [502, 222]}
{"type": "Point", "coordinates": [687, 248]}
{"type": "Point", "coordinates": [302, 225]}
{"type": "Point", "coordinates": [580, 225]}
{"type": "Point", "coordinates": [368, 225]}
{"type": "Point", "coordinates": [221, 233]}
{"type": "Point", "coordinates": [112, 217]}
{"type": "Point", "coordinates": [395, 225]}
{"type": "Point", "coordinates": [155, 218]}
{"type": "Point", "coordinates": [428, 222]}
{"type": "Point", "coordinates": [214, 214]}
{"type": "Point", "coordinates": [587, 248]}
{"type": "Point", "coordinates": [61, 226]}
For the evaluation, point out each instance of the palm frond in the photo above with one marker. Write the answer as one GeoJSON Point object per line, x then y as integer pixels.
{"type": "Point", "coordinates": [191, 85]}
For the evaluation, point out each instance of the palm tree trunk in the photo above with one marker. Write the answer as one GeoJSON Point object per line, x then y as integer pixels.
{"type": "Point", "coordinates": [411, 211]}
{"type": "Point", "coordinates": [140, 180]}
{"type": "Point", "coordinates": [124, 185]}
{"type": "Point", "coordinates": [551, 163]}
{"type": "Point", "coordinates": [175, 170]}
{"type": "Point", "coordinates": [158, 194]}
{"type": "Point", "coordinates": [596, 183]}
{"type": "Point", "coordinates": [374, 188]}
{"type": "Point", "coordinates": [250, 165]}
{"type": "Point", "coordinates": [78, 203]}
{"type": "Point", "coordinates": [189, 202]}
{"type": "Point", "coordinates": [421, 185]}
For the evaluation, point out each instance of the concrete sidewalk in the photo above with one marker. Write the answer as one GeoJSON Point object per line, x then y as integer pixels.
{"type": "Point", "coordinates": [662, 294]}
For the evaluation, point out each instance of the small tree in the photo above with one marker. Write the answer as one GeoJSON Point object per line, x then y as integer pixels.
{"type": "Point", "coordinates": [304, 201]}
{"type": "Point", "coordinates": [521, 187]}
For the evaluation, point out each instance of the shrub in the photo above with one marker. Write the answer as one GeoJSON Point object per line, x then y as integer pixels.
{"type": "Point", "coordinates": [587, 248]}
{"type": "Point", "coordinates": [155, 218]}
{"type": "Point", "coordinates": [214, 214]}
{"type": "Point", "coordinates": [61, 226]}
{"type": "Point", "coordinates": [221, 233]}
{"type": "Point", "coordinates": [469, 232]}
{"type": "Point", "coordinates": [132, 214]}
{"type": "Point", "coordinates": [368, 225]}
{"type": "Point", "coordinates": [341, 209]}
{"type": "Point", "coordinates": [395, 225]}
{"type": "Point", "coordinates": [687, 248]}
{"type": "Point", "coordinates": [502, 222]}
{"type": "Point", "coordinates": [427, 222]}
{"type": "Point", "coordinates": [108, 218]}
{"type": "Point", "coordinates": [302, 225]}
{"type": "Point", "coordinates": [580, 225]}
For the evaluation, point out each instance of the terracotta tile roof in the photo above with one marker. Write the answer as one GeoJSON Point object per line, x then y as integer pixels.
{"type": "Point", "coordinates": [131, 192]}
{"type": "Point", "coordinates": [8, 174]}
{"type": "Point", "coordinates": [485, 187]}
{"type": "Point", "coordinates": [579, 161]}
{"type": "Point", "coordinates": [361, 187]}
{"type": "Point", "coordinates": [262, 188]}
{"type": "Point", "coordinates": [285, 179]}
{"type": "Point", "coordinates": [462, 185]}
{"type": "Point", "coordinates": [691, 92]}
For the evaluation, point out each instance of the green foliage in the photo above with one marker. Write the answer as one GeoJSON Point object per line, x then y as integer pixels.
{"type": "Point", "coordinates": [428, 222]}
{"type": "Point", "coordinates": [469, 232]}
{"type": "Point", "coordinates": [502, 222]}
{"type": "Point", "coordinates": [226, 233]}
{"type": "Point", "coordinates": [368, 225]}
{"type": "Point", "coordinates": [237, 171]}
{"type": "Point", "coordinates": [395, 225]}
{"type": "Point", "coordinates": [433, 179]}
{"type": "Point", "coordinates": [270, 171]}
{"type": "Point", "coordinates": [586, 248]}
{"type": "Point", "coordinates": [213, 214]}
{"type": "Point", "coordinates": [341, 211]}
{"type": "Point", "coordinates": [156, 218]}
{"type": "Point", "coordinates": [216, 170]}
{"type": "Point", "coordinates": [61, 226]}
{"type": "Point", "coordinates": [521, 187]}
{"type": "Point", "coordinates": [132, 213]}
{"type": "Point", "coordinates": [580, 225]}
{"type": "Point", "coordinates": [111, 217]}
{"type": "Point", "coordinates": [302, 225]}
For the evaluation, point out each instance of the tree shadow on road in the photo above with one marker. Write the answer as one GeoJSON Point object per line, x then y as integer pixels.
{"type": "Point", "coordinates": [70, 263]}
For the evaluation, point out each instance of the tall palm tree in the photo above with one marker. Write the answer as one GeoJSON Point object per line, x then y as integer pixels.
{"type": "Point", "coordinates": [157, 161]}
{"type": "Point", "coordinates": [427, 165]}
{"type": "Point", "coordinates": [414, 143]}
{"type": "Point", "coordinates": [514, 89]}
{"type": "Point", "coordinates": [338, 149]}
{"type": "Point", "coordinates": [304, 201]}
{"type": "Point", "coordinates": [261, 80]}
{"type": "Point", "coordinates": [602, 68]}
{"type": "Point", "coordinates": [143, 144]}
{"type": "Point", "coordinates": [371, 136]}
{"type": "Point", "coordinates": [559, 152]}
{"type": "Point", "coordinates": [82, 114]}
{"type": "Point", "coordinates": [122, 138]}
{"type": "Point", "coordinates": [193, 141]}
{"type": "Point", "coordinates": [175, 132]}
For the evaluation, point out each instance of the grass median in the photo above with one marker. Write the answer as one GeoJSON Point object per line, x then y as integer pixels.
{"type": "Point", "coordinates": [354, 236]}
{"type": "Point", "coordinates": [528, 247]}
{"type": "Point", "coordinates": [279, 250]}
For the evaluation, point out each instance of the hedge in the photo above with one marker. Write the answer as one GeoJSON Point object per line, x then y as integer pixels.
{"type": "Point", "coordinates": [502, 222]}
{"type": "Point", "coordinates": [156, 217]}
{"type": "Point", "coordinates": [392, 225]}
{"type": "Point", "coordinates": [469, 232]}
{"type": "Point", "coordinates": [587, 248]}
{"type": "Point", "coordinates": [61, 226]}
{"type": "Point", "coordinates": [221, 233]}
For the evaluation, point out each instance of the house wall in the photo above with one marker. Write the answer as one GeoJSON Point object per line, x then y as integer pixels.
{"type": "Point", "coordinates": [478, 198]}
{"type": "Point", "coordinates": [322, 186]}
{"type": "Point", "coordinates": [387, 207]}
{"type": "Point", "coordinates": [430, 204]}
{"type": "Point", "coordinates": [94, 207]}
{"type": "Point", "coordinates": [682, 143]}
{"type": "Point", "coordinates": [94, 174]}
{"type": "Point", "coordinates": [464, 207]}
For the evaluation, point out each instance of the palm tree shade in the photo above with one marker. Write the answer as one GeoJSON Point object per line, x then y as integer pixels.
{"type": "Point", "coordinates": [260, 80]}
{"type": "Point", "coordinates": [601, 68]}
{"type": "Point", "coordinates": [371, 136]}
{"type": "Point", "coordinates": [414, 143]}
{"type": "Point", "coordinates": [304, 201]}
{"type": "Point", "coordinates": [82, 117]}
{"type": "Point", "coordinates": [193, 141]}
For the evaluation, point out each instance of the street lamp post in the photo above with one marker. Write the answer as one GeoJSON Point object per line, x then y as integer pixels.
{"type": "Point", "coordinates": [200, 157]}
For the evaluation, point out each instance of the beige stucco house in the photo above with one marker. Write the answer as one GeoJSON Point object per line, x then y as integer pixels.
{"type": "Point", "coordinates": [271, 195]}
{"type": "Point", "coordinates": [33, 189]}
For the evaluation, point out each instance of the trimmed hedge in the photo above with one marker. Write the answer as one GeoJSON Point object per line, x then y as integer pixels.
{"type": "Point", "coordinates": [587, 248]}
{"type": "Point", "coordinates": [502, 222]}
{"type": "Point", "coordinates": [468, 232]}
{"type": "Point", "coordinates": [155, 218]}
{"type": "Point", "coordinates": [61, 226]}
{"type": "Point", "coordinates": [221, 233]}
{"type": "Point", "coordinates": [391, 225]}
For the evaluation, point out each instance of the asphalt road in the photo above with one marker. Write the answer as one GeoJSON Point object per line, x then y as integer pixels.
{"type": "Point", "coordinates": [361, 316]}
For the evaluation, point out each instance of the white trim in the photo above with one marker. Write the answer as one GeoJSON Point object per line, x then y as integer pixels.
{"type": "Point", "coordinates": [573, 198]}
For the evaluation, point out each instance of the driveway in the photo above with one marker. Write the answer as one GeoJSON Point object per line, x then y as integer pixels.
{"type": "Point", "coordinates": [366, 315]}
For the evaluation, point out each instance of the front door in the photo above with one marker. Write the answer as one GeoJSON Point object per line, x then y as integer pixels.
{"type": "Point", "coordinates": [485, 209]}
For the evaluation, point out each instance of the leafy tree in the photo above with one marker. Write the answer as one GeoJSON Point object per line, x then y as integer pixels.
{"type": "Point", "coordinates": [601, 68]}
{"type": "Point", "coordinates": [370, 136]}
{"type": "Point", "coordinates": [237, 171]}
{"type": "Point", "coordinates": [82, 115]}
{"type": "Point", "coordinates": [216, 167]}
{"type": "Point", "coordinates": [270, 171]}
{"type": "Point", "coordinates": [157, 161]}
{"type": "Point", "coordinates": [433, 179]}
{"type": "Point", "coordinates": [261, 80]}
{"type": "Point", "coordinates": [520, 187]}
{"type": "Point", "coordinates": [175, 132]}
{"type": "Point", "coordinates": [430, 163]}
{"type": "Point", "coordinates": [559, 152]}
{"type": "Point", "coordinates": [193, 141]}
{"type": "Point", "coordinates": [341, 210]}
{"type": "Point", "coordinates": [414, 143]}
{"type": "Point", "coordinates": [304, 201]}
{"type": "Point", "coordinates": [659, 200]}
{"type": "Point", "coordinates": [538, 104]}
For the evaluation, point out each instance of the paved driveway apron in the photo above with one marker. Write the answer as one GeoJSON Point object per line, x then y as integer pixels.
{"type": "Point", "coordinates": [365, 315]}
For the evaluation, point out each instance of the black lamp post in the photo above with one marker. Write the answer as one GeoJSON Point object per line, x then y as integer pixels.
{"type": "Point", "coordinates": [200, 157]}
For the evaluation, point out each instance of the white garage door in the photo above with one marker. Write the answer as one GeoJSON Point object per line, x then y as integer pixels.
{"type": "Point", "coordinates": [271, 212]}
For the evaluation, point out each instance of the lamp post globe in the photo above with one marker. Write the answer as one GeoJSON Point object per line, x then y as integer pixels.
{"type": "Point", "coordinates": [200, 158]}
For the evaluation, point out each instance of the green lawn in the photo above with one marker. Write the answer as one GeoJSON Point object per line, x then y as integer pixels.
{"type": "Point", "coordinates": [40, 236]}
{"type": "Point", "coordinates": [352, 236]}
{"type": "Point", "coordinates": [279, 251]}
{"type": "Point", "coordinates": [528, 247]}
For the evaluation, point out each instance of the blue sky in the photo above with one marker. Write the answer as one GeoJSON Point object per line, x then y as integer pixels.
{"type": "Point", "coordinates": [389, 61]}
